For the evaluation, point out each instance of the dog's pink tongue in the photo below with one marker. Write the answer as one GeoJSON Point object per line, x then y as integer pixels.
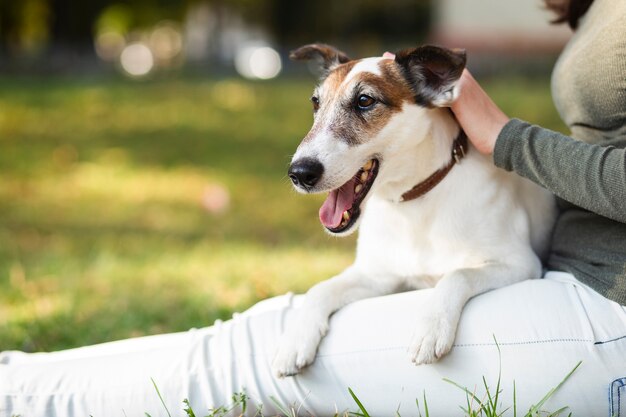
{"type": "Point", "coordinates": [336, 203]}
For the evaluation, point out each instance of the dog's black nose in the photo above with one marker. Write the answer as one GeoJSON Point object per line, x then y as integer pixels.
{"type": "Point", "coordinates": [306, 172]}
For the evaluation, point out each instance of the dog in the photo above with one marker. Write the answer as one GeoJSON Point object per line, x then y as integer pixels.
{"type": "Point", "coordinates": [432, 210]}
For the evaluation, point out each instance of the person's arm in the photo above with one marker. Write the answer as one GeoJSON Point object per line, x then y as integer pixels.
{"type": "Point", "coordinates": [589, 176]}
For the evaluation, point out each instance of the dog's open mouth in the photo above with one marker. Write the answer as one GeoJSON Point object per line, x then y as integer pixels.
{"type": "Point", "coordinates": [342, 206]}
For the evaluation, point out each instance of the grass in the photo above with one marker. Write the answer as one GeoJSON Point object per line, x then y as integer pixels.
{"type": "Point", "coordinates": [490, 404]}
{"type": "Point", "coordinates": [113, 220]}
{"type": "Point", "coordinates": [487, 406]}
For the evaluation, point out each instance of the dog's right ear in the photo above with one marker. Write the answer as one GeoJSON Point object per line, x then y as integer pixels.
{"type": "Point", "coordinates": [328, 56]}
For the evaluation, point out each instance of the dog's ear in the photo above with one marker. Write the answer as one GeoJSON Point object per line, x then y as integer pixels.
{"type": "Point", "coordinates": [328, 56]}
{"type": "Point", "coordinates": [433, 73]}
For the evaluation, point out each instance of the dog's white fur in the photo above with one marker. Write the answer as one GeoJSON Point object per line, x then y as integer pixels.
{"type": "Point", "coordinates": [481, 228]}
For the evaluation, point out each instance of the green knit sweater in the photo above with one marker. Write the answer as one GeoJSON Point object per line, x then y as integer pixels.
{"type": "Point", "coordinates": [587, 171]}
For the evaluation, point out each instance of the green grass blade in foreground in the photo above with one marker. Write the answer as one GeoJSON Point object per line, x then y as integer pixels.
{"type": "Point", "coordinates": [469, 393]}
{"type": "Point", "coordinates": [282, 408]}
{"type": "Point", "coordinates": [490, 406]}
{"type": "Point", "coordinates": [239, 399]}
{"type": "Point", "coordinates": [160, 397]}
{"type": "Point", "coordinates": [497, 394]}
{"type": "Point", "coordinates": [534, 410]}
{"type": "Point", "coordinates": [419, 410]}
{"type": "Point", "coordinates": [514, 400]}
{"type": "Point", "coordinates": [188, 410]}
{"type": "Point", "coordinates": [356, 400]}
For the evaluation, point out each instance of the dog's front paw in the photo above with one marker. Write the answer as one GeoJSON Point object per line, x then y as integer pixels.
{"type": "Point", "coordinates": [298, 346]}
{"type": "Point", "coordinates": [433, 338]}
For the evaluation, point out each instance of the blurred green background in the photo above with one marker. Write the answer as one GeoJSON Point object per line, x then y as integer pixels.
{"type": "Point", "coordinates": [135, 204]}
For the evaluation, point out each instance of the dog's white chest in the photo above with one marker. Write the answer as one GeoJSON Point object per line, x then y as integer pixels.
{"type": "Point", "coordinates": [416, 249]}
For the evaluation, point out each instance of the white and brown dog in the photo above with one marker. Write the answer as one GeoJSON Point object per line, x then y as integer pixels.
{"type": "Point", "coordinates": [433, 211]}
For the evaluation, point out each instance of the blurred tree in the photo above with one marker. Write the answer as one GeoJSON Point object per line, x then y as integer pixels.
{"type": "Point", "coordinates": [363, 23]}
{"type": "Point", "coordinates": [351, 21]}
{"type": "Point", "coordinates": [24, 25]}
{"type": "Point", "coordinates": [71, 22]}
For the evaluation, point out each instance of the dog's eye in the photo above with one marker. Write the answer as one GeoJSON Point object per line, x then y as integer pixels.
{"type": "Point", "coordinates": [316, 102]}
{"type": "Point", "coordinates": [365, 102]}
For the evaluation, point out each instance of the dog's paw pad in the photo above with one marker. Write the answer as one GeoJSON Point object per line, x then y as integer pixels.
{"type": "Point", "coordinates": [291, 363]}
{"type": "Point", "coordinates": [431, 341]}
{"type": "Point", "coordinates": [284, 370]}
{"type": "Point", "coordinates": [284, 364]}
{"type": "Point", "coordinates": [296, 350]}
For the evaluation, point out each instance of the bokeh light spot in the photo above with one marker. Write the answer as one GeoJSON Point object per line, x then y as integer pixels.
{"type": "Point", "coordinates": [137, 59]}
{"type": "Point", "coordinates": [216, 199]}
{"type": "Point", "coordinates": [166, 41]}
{"type": "Point", "coordinates": [260, 62]}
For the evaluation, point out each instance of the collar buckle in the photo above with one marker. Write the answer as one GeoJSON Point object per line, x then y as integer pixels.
{"type": "Point", "coordinates": [458, 151]}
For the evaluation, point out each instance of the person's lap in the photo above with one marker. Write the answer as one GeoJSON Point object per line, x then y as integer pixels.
{"type": "Point", "coordinates": [543, 327]}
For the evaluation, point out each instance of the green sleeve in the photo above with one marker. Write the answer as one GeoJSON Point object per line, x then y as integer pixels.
{"type": "Point", "coordinates": [590, 176]}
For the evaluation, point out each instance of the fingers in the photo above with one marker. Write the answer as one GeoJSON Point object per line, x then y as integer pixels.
{"type": "Point", "coordinates": [479, 116]}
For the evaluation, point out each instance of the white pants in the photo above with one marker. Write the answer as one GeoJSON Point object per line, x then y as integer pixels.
{"type": "Point", "coordinates": [544, 327]}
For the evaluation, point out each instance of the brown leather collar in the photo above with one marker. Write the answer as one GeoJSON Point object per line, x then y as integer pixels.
{"type": "Point", "coordinates": [459, 149]}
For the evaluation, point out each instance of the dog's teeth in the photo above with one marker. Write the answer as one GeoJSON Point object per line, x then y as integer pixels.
{"type": "Point", "coordinates": [368, 165]}
{"type": "Point", "coordinates": [364, 176]}
{"type": "Point", "coordinates": [358, 188]}
{"type": "Point", "coordinates": [346, 215]}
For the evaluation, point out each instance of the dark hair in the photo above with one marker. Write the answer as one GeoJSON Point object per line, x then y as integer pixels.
{"type": "Point", "coordinates": [569, 11]}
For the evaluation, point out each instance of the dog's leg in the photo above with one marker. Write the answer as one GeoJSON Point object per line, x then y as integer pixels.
{"type": "Point", "coordinates": [302, 335]}
{"type": "Point", "coordinates": [438, 320]}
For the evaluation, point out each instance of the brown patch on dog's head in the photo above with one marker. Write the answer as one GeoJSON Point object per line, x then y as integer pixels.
{"type": "Point", "coordinates": [327, 92]}
{"type": "Point", "coordinates": [394, 86]}
{"type": "Point", "coordinates": [337, 76]}
{"type": "Point", "coordinates": [390, 91]}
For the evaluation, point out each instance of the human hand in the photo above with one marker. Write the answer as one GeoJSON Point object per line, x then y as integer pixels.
{"type": "Point", "coordinates": [481, 119]}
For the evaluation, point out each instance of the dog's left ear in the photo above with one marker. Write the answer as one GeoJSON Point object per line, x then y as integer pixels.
{"type": "Point", "coordinates": [433, 73]}
{"type": "Point", "coordinates": [327, 55]}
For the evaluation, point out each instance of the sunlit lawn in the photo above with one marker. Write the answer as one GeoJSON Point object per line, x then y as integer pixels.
{"type": "Point", "coordinates": [111, 203]}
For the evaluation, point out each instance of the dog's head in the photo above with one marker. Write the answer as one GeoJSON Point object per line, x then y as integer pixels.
{"type": "Point", "coordinates": [362, 108]}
